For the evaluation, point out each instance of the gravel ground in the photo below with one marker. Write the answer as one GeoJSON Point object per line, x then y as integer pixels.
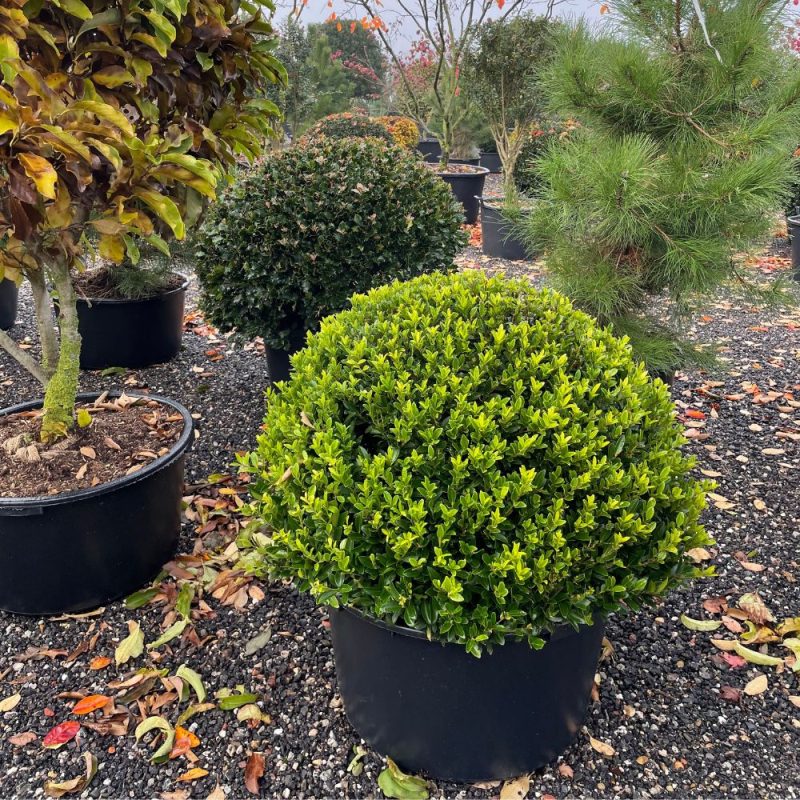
{"type": "Point", "coordinates": [658, 703]}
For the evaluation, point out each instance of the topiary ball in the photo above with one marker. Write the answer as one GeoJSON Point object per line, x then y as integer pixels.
{"type": "Point", "coordinates": [347, 125]}
{"type": "Point", "coordinates": [291, 241]}
{"type": "Point", "coordinates": [474, 458]}
{"type": "Point", "coordinates": [404, 130]}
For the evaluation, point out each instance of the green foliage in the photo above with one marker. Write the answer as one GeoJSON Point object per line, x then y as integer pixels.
{"type": "Point", "coordinates": [289, 243]}
{"type": "Point", "coordinates": [329, 81]}
{"type": "Point", "coordinates": [348, 125]}
{"type": "Point", "coordinates": [536, 140]}
{"type": "Point", "coordinates": [476, 459]}
{"type": "Point", "coordinates": [685, 159]}
{"type": "Point", "coordinates": [296, 97]}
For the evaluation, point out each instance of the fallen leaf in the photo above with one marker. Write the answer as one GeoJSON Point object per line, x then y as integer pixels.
{"type": "Point", "coordinates": [773, 451]}
{"type": "Point", "coordinates": [794, 646]}
{"type": "Point", "coordinates": [161, 724]}
{"type": "Point", "coordinates": [88, 452]}
{"type": "Point", "coordinates": [236, 701]}
{"type": "Point", "coordinates": [731, 624]}
{"type": "Point", "coordinates": [720, 502]}
{"type": "Point", "coordinates": [192, 775]}
{"type": "Point", "coordinates": [794, 699]}
{"type": "Point", "coordinates": [61, 734]}
{"type": "Point", "coordinates": [755, 608]}
{"type": "Point", "coordinates": [21, 739]}
{"type": "Point", "coordinates": [759, 504]}
{"type": "Point", "coordinates": [754, 657]}
{"type": "Point", "coordinates": [724, 644]}
{"type": "Point", "coordinates": [132, 646]}
{"type": "Point", "coordinates": [642, 760]}
{"type": "Point", "coordinates": [756, 686]}
{"type": "Point", "coordinates": [218, 793]}
{"type": "Point", "coordinates": [93, 702]}
{"type": "Point", "coordinates": [185, 740]}
{"type": "Point", "coordinates": [99, 662]}
{"type": "Point", "coordinates": [566, 771]}
{"type": "Point", "coordinates": [698, 554]}
{"type": "Point", "coordinates": [194, 680]}
{"type": "Point", "coordinates": [601, 747]}
{"type": "Point", "coordinates": [254, 769]}
{"type": "Point", "coordinates": [715, 605]}
{"type": "Point", "coordinates": [74, 785]}
{"type": "Point", "coordinates": [258, 642]}
{"type": "Point", "coordinates": [699, 624]}
{"type": "Point", "coordinates": [732, 660]}
{"type": "Point", "coordinates": [10, 703]}
{"type": "Point", "coordinates": [731, 694]}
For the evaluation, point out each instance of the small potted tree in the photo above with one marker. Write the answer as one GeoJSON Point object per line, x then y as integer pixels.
{"type": "Point", "coordinates": [116, 120]}
{"type": "Point", "coordinates": [290, 242]}
{"type": "Point", "coordinates": [472, 476]}
{"type": "Point", "coordinates": [502, 71]}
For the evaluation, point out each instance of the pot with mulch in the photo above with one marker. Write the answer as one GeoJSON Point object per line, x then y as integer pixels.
{"type": "Point", "coordinates": [430, 149]}
{"type": "Point", "coordinates": [793, 225]}
{"type": "Point", "coordinates": [95, 516]}
{"type": "Point", "coordinates": [466, 183]}
{"type": "Point", "coordinates": [472, 162]}
{"type": "Point", "coordinates": [120, 331]}
{"type": "Point", "coordinates": [8, 303]}
{"type": "Point", "coordinates": [500, 239]}
{"type": "Point", "coordinates": [492, 162]}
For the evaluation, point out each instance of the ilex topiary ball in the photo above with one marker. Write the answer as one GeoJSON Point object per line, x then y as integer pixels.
{"type": "Point", "coordinates": [290, 242]}
{"type": "Point", "coordinates": [347, 125]}
{"type": "Point", "coordinates": [474, 458]}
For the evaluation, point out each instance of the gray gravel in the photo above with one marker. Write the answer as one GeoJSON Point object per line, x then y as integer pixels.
{"type": "Point", "coordinates": [658, 694]}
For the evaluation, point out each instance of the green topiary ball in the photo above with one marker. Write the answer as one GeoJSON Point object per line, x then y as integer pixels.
{"type": "Point", "coordinates": [474, 458]}
{"type": "Point", "coordinates": [347, 125]}
{"type": "Point", "coordinates": [290, 242]}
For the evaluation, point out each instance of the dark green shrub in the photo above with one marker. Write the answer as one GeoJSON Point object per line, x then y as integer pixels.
{"type": "Point", "coordinates": [342, 126]}
{"type": "Point", "coordinates": [477, 459]}
{"type": "Point", "coordinates": [290, 242]}
{"type": "Point", "coordinates": [527, 175]}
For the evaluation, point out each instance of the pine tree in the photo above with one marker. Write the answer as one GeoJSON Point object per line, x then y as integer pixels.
{"type": "Point", "coordinates": [332, 88]}
{"type": "Point", "coordinates": [690, 118]}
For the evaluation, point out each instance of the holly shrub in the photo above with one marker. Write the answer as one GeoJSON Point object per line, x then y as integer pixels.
{"type": "Point", "coordinates": [342, 126]}
{"type": "Point", "coordinates": [527, 176]}
{"type": "Point", "coordinates": [404, 130]}
{"type": "Point", "coordinates": [291, 241]}
{"type": "Point", "coordinates": [474, 458]}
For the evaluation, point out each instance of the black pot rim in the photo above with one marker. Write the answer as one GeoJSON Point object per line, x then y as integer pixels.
{"type": "Point", "coordinates": [176, 451]}
{"type": "Point", "coordinates": [110, 301]}
{"type": "Point", "coordinates": [480, 171]}
{"type": "Point", "coordinates": [561, 631]}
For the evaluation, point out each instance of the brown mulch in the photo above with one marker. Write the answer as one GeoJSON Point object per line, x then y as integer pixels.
{"type": "Point", "coordinates": [455, 169]}
{"type": "Point", "coordinates": [96, 284]}
{"type": "Point", "coordinates": [123, 436]}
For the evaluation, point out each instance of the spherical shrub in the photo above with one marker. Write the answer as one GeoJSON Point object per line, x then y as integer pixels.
{"type": "Point", "coordinates": [404, 130]}
{"type": "Point", "coordinates": [342, 126]}
{"type": "Point", "coordinates": [477, 459]}
{"type": "Point", "coordinates": [290, 242]}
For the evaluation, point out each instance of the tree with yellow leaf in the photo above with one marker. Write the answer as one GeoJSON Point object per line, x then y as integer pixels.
{"type": "Point", "coordinates": [117, 121]}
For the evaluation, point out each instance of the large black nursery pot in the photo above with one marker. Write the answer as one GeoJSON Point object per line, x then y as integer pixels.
{"type": "Point", "coordinates": [472, 162]}
{"type": "Point", "coordinates": [436, 709]}
{"type": "Point", "coordinates": [467, 187]}
{"type": "Point", "coordinates": [794, 234]}
{"type": "Point", "coordinates": [430, 149]}
{"type": "Point", "coordinates": [131, 333]}
{"type": "Point", "coordinates": [75, 551]}
{"type": "Point", "coordinates": [492, 162]}
{"type": "Point", "coordinates": [499, 238]}
{"type": "Point", "coordinates": [278, 361]}
{"type": "Point", "coordinates": [8, 303]}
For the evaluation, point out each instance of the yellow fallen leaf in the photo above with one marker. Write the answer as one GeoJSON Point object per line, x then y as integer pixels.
{"type": "Point", "coordinates": [794, 699]}
{"type": "Point", "coordinates": [516, 788]}
{"type": "Point", "coordinates": [759, 504]}
{"type": "Point", "coordinates": [193, 774]}
{"type": "Point", "coordinates": [601, 747]}
{"type": "Point", "coordinates": [698, 554]}
{"type": "Point", "coordinates": [10, 703]}
{"type": "Point", "coordinates": [756, 686]}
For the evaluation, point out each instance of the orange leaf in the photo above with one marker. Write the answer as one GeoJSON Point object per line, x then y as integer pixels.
{"type": "Point", "coordinates": [253, 771]}
{"type": "Point", "coordinates": [193, 774]}
{"type": "Point", "coordinates": [184, 742]}
{"type": "Point", "coordinates": [91, 703]}
{"type": "Point", "coordinates": [694, 413]}
{"type": "Point", "coordinates": [99, 662]}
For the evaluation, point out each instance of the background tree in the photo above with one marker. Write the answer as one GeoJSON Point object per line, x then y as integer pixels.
{"type": "Point", "coordinates": [330, 81]}
{"type": "Point", "coordinates": [295, 98]}
{"type": "Point", "coordinates": [501, 76]}
{"type": "Point", "coordinates": [690, 122]}
{"type": "Point", "coordinates": [116, 119]}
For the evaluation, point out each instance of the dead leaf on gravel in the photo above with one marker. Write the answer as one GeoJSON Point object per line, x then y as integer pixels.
{"type": "Point", "coordinates": [74, 785]}
{"type": "Point", "coordinates": [756, 686]}
{"type": "Point", "coordinates": [516, 788]}
{"type": "Point", "coordinates": [715, 605]}
{"type": "Point", "coordinates": [178, 794]}
{"type": "Point", "coordinates": [753, 605]}
{"type": "Point", "coordinates": [794, 699]}
{"type": "Point", "coordinates": [193, 774]}
{"type": "Point", "coordinates": [773, 451]}
{"type": "Point", "coordinates": [720, 502]}
{"type": "Point", "coordinates": [642, 760]}
{"type": "Point", "coordinates": [731, 694]}
{"type": "Point", "coordinates": [253, 771]}
{"type": "Point", "coordinates": [21, 739]}
{"type": "Point", "coordinates": [566, 771]}
{"type": "Point", "coordinates": [602, 747]}
{"type": "Point", "coordinates": [731, 624]}
{"type": "Point", "coordinates": [218, 793]}
{"type": "Point", "coordinates": [698, 554]}
{"type": "Point", "coordinates": [759, 504]}
{"type": "Point", "coordinates": [10, 703]}
{"type": "Point", "coordinates": [99, 662]}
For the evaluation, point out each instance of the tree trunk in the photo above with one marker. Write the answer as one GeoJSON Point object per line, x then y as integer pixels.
{"type": "Point", "coordinates": [62, 388]}
{"type": "Point", "coordinates": [44, 320]}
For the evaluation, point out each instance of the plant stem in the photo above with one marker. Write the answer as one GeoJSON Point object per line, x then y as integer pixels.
{"type": "Point", "coordinates": [24, 358]}
{"type": "Point", "coordinates": [62, 388]}
{"type": "Point", "coordinates": [44, 321]}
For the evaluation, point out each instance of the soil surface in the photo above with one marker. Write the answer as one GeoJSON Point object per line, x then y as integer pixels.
{"type": "Point", "coordinates": [98, 284]}
{"type": "Point", "coordinates": [119, 437]}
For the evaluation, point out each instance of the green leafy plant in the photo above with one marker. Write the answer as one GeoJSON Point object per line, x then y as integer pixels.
{"type": "Point", "coordinates": [348, 125]}
{"type": "Point", "coordinates": [691, 119]}
{"type": "Point", "coordinates": [541, 135]}
{"type": "Point", "coordinates": [116, 119]}
{"type": "Point", "coordinates": [290, 242]}
{"type": "Point", "coordinates": [476, 459]}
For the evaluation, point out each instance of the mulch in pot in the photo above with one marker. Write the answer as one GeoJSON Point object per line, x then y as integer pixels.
{"type": "Point", "coordinates": [98, 284]}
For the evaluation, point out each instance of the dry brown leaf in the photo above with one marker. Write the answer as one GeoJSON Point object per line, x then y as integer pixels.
{"type": "Point", "coordinates": [758, 685]}
{"type": "Point", "coordinates": [516, 788]}
{"type": "Point", "coordinates": [759, 504]}
{"type": "Point", "coordinates": [192, 775]}
{"type": "Point", "coordinates": [10, 703]}
{"type": "Point", "coordinates": [218, 793]}
{"type": "Point", "coordinates": [602, 747]}
{"type": "Point", "coordinates": [642, 760]}
{"type": "Point", "coordinates": [254, 769]}
{"type": "Point", "coordinates": [698, 554]}
{"type": "Point", "coordinates": [81, 473]}
{"type": "Point", "coordinates": [773, 451]}
{"type": "Point", "coordinates": [794, 699]}
{"type": "Point", "coordinates": [88, 452]}
{"type": "Point", "coordinates": [566, 771]}
{"type": "Point", "coordinates": [720, 502]}
{"type": "Point", "coordinates": [21, 739]}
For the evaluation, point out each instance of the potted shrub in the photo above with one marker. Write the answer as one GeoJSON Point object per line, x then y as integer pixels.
{"type": "Point", "coordinates": [472, 475]}
{"type": "Point", "coordinates": [347, 125]}
{"type": "Point", "coordinates": [490, 157]}
{"type": "Point", "coordinates": [8, 303]}
{"type": "Point", "coordinates": [466, 182]}
{"type": "Point", "coordinates": [91, 485]}
{"type": "Point", "coordinates": [291, 241]}
{"type": "Point", "coordinates": [502, 71]}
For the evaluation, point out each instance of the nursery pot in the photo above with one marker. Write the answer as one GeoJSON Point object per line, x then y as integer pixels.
{"type": "Point", "coordinates": [467, 187]}
{"type": "Point", "coordinates": [8, 303]}
{"type": "Point", "coordinates": [131, 333]}
{"type": "Point", "coordinates": [492, 162]}
{"type": "Point", "coordinates": [278, 363]}
{"type": "Point", "coordinates": [434, 708]}
{"type": "Point", "coordinates": [472, 162]}
{"type": "Point", "coordinates": [498, 235]}
{"type": "Point", "coordinates": [794, 233]}
{"type": "Point", "coordinates": [75, 551]}
{"type": "Point", "coordinates": [430, 149]}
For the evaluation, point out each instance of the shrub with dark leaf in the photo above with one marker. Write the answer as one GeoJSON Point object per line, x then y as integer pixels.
{"type": "Point", "coordinates": [527, 176]}
{"type": "Point", "coordinates": [342, 126]}
{"type": "Point", "coordinates": [474, 458]}
{"type": "Point", "coordinates": [291, 241]}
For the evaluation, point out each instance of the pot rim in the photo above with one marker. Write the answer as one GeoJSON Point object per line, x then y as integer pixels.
{"type": "Point", "coordinates": [34, 503]}
{"type": "Point", "coordinates": [480, 172]}
{"type": "Point", "coordinates": [561, 631]}
{"type": "Point", "coordinates": [98, 301]}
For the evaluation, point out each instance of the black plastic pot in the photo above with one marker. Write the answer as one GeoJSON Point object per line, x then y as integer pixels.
{"type": "Point", "coordinates": [492, 162]}
{"type": "Point", "coordinates": [8, 303]}
{"type": "Point", "coordinates": [131, 333]}
{"type": "Point", "coordinates": [794, 233]}
{"type": "Point", "coordinates": [278, 363]}
{"type": "Point", "coordinates": [472, 162]}
{"type": "Point", "coordinates": [467, 187]}
{"type": "Point", "coordinates": [434, 708]}
{"type": "Point", "coordinates": [430, 148]}
{"type": "Point", "coordinates": [498, 235]}
{"type": "Point", "coordinates": [76, 551]}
